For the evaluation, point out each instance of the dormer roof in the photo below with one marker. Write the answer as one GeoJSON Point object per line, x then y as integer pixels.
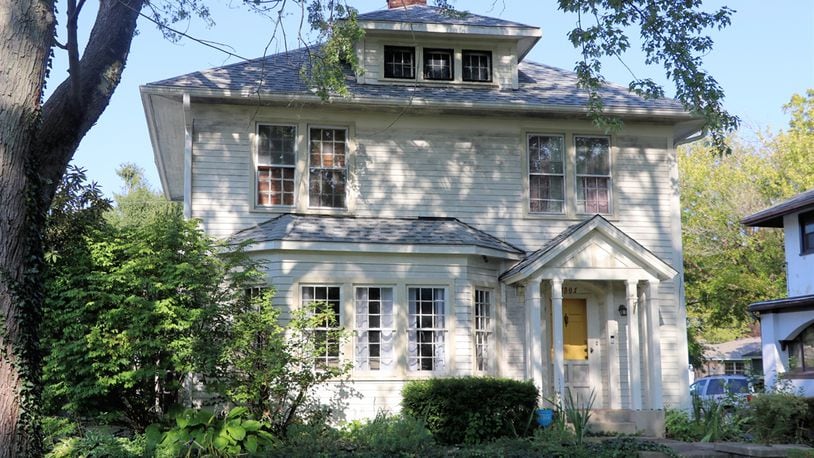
{"type": "Point", "coordinates": [424, 19]}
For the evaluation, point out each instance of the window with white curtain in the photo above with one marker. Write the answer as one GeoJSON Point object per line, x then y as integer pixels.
{"type": "Point", "coordinates": [427, 328]}
{"type": "Point", "coordinates": [374, 329]}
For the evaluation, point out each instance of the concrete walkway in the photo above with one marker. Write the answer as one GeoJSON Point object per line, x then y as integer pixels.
{"type": "Point", "coordinates": [724, 449]}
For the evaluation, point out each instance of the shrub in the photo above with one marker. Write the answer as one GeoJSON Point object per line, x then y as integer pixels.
{"type": "Point", "coordinates": [389, 435]}
{"type": "Point", "coordinates": [471, 409]}
{"type": "Point", "coordinates": [99, 444]}
{"type": "Point", "coordinates": [778, 417]}
{"type": "Point", "coordinates": [679, 426]}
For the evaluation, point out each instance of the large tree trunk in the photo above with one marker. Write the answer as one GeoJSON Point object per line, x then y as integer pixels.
{"type": "Point", "coordinates": [36, 143]}
{"type": "Point", "coordinates": [26, 32]}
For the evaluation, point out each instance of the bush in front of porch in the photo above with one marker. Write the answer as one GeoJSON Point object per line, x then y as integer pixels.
{"type": "Point", "coordinates": [472, 410]}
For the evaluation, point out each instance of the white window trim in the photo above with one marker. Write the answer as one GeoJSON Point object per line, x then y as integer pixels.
{"type": "Point", "coordinates": [396, 349]}
{"type": "Point", "coordinates": [342, 317]}
{"type": "Point", "coordinates": [307, 186]}
{"type": "Point", "coordinates": [447, 330]}
{"type": "Point", "coordinates": [577, 175]}
{"type": "Point", "coordinates": [564, 175]}
{"type": "Point", "coordinates": [491, 361]}
{"type": "Point", "coordinates": [256, 164]}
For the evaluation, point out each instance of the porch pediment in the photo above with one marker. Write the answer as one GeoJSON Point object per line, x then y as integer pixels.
{"type": "Point", "coordinates": [592, 249]}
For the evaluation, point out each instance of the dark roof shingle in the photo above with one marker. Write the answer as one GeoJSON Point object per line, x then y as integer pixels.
{"type": "Point", "coordinates": [424, 14]}
{"type": "Point", "coordinates": [349, 229]}
{"type": "Point", "coordinates": [540, 86]}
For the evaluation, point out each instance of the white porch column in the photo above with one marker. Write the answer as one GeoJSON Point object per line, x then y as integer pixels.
{"type": "Point", "coordinates": [634, 358]}
{"type": "Point", "coordinates": [644, 346]}
{"type": "Point", "coordinates": [654, 346]}
{"type": "Point", "coordinates": [533, 305]}
{"type": "Point", "coordinates": [556, 326]}
{"type": "Point", "coordinates": [614, 383]}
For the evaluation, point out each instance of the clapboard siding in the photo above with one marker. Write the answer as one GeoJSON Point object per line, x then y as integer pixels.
{"type": "Point", "coordinates": [472, 168]}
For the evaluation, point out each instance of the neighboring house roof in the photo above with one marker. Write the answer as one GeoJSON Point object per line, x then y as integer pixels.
{"type": "Point", "coordinates": [541, 88]}
{"type": "Point", "coordinates": [349, 229]}
{"type": "Point", "coordinates": [773, 216]}
{"type": "Point", "coordinates": [425, 14]}
{"type": "Point", "coordinates": [735, 349]}
{"type": "Point", "coordinates": [573, 234]}
{"type": "Point", "coordinates": [785, 304]}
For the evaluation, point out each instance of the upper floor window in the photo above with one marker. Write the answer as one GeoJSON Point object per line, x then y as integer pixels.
{"type": "Point", "coordinates": [438, 64]}
{"type": "Point", "coordinates": [593, 174]}
{"type": "Point", "coordinates": [276, 160]}
{"type": "Point", "coordinates": [546, 173]}
{"type": "Point", "coordinates": [374, 329]}
{"type": "Point", "coordinates": [807, 233]}
{"type": "Point", "coordinates": [483, 318]}
{"type": "Point", "coordinates": [325, 299]}
{"type": "Point", "coordinates": [327, 171]}
{"type": "Point", "coordinates": [399, 62]}
{"type": "Point", "coordinates": [426, 332]}
{"type": "Point", "coordinates": [477, 66]}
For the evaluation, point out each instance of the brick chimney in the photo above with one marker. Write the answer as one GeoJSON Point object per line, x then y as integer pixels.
{"type": "Point", "coordinates": [402, 3]}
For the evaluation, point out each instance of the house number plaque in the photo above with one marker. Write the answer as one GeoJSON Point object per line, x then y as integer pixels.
{"type": "Point", "coordinates": [569, 290]}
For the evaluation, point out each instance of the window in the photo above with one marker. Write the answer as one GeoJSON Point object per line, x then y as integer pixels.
{"type": "Point", "coordinates": [438, 64]}
{"type": "Point", "coordinates": [546, 173]}
{"type": "Point", "coordinates": [327, 170]}
{"type": "Point", "coordinates": [276, 154]}
{"type": "Point", "coordinates": [374, 329]}
{"type": "Point", "coordinates": [477, 66]}
{"type": "Point", "coordinates": [593, 174]}
{"type": "Point", "coordinates": [801, 351]}
{"type": "Point", "coordinates": [807, 233]}
{"type": "Point", "coordinates": [326, 339]}
{"type": "Point", "coordinates": [483, 317]}
{"type": "Point", "coordinates": [426, 329]}
{"type": "Point", "coordinates": [734, 367]}
{"type": "Point", "coordinates": [399, 62]}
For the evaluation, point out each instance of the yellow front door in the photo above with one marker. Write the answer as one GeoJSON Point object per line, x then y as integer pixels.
{"type": "Point", "coordinates": [575, 330]}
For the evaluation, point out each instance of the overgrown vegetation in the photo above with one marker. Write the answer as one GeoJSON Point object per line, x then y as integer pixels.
{"type": "Point", "coordinates": [471, 409]}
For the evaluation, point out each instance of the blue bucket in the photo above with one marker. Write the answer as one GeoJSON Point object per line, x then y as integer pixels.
{"type": "Point", "coordinates": [545, 417]}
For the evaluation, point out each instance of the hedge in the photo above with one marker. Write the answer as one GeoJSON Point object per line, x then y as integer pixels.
{"type": "Point", "coordinates": [471, 410]}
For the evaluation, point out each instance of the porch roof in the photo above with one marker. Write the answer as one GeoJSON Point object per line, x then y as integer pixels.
{"type": "Point", "coordinates": [784, 305]}
{"type": "Point", "coordinates": [581, 232]}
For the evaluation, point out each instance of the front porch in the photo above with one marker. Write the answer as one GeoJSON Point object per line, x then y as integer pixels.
{"type": "Point", "coordinates": [593, 324]}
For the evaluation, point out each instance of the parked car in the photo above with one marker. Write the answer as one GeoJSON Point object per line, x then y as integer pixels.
{"type": "Point", "coordinates": [722, 387]}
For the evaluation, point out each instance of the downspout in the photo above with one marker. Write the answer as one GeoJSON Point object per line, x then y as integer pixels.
{"type": "Point", "coordinates": [187, 156]}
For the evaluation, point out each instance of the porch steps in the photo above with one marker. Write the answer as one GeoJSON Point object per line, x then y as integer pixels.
{"type": "Point", "coordinates": [650, 423]}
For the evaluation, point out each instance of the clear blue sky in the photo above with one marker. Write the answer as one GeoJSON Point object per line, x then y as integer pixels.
{"type": "Point", "coordinates": [764, 57]}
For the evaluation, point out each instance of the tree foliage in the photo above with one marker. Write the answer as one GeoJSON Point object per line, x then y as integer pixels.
{"type": "Point", "coordinates": [728, 266]}
{"type": "Point", "coordinates": [673, 35]}
{"type": "Point", "coordinates": [125, 311]}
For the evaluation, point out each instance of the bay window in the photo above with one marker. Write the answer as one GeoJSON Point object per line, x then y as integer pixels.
{"type": "Point", "coordinates": [276, 162]}
{"type": "Point", "coordinates": [546, 173]}
{"type": "Point", "coordinates": [483, 318]}
{"type": "Point", "coordinates": [593, 174]}
{"type": "Point", "coordinates": [375, 332]}
{"type": "Point", "coordinates": [325, 300]}
{"type": "Point", "coordinates": [801, 351]}
{"type": "Point", "coordinates": [426, 331]}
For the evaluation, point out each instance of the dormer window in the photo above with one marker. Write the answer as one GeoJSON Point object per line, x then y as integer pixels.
{"type": "Point", "coordinates": [438, 64]}
{"type": "Point", "coordinates": [807, 233]}
{"type": "Point", "coordinates": [399, 62]}
{"type": "Point", "coordinates": [477, 66]}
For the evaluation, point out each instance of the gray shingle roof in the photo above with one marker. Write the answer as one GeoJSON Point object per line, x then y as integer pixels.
{"type": "Point", "coordinates": [550, 245]}
{"type": "Point", "coordinates": [540, 86]}
{"type": "Point", "coordinates": [425, 14]}
{"type": "Point", "coordinates": [773, 216]}
{"type": "Point", "coordinates": [349, 229]}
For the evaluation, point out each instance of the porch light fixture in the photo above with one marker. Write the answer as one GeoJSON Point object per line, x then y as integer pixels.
{"type": "Point", "coordinates": [622, 310]}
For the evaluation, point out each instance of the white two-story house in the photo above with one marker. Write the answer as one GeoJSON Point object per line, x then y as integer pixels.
{"type": "Point", "coordinates": [458, 210]}
{"type": "Point", "coordinates": [787, 325]}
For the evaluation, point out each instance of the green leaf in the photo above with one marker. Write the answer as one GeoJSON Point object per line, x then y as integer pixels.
{"type": "Point", "coordinates": [237, 432]}
{"type": "Point", "coordinates": [251, 444]}
{"type": "Point", "coordinates": [251, 425]}
{"type": "Point", "coordinates": [236, 412]}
